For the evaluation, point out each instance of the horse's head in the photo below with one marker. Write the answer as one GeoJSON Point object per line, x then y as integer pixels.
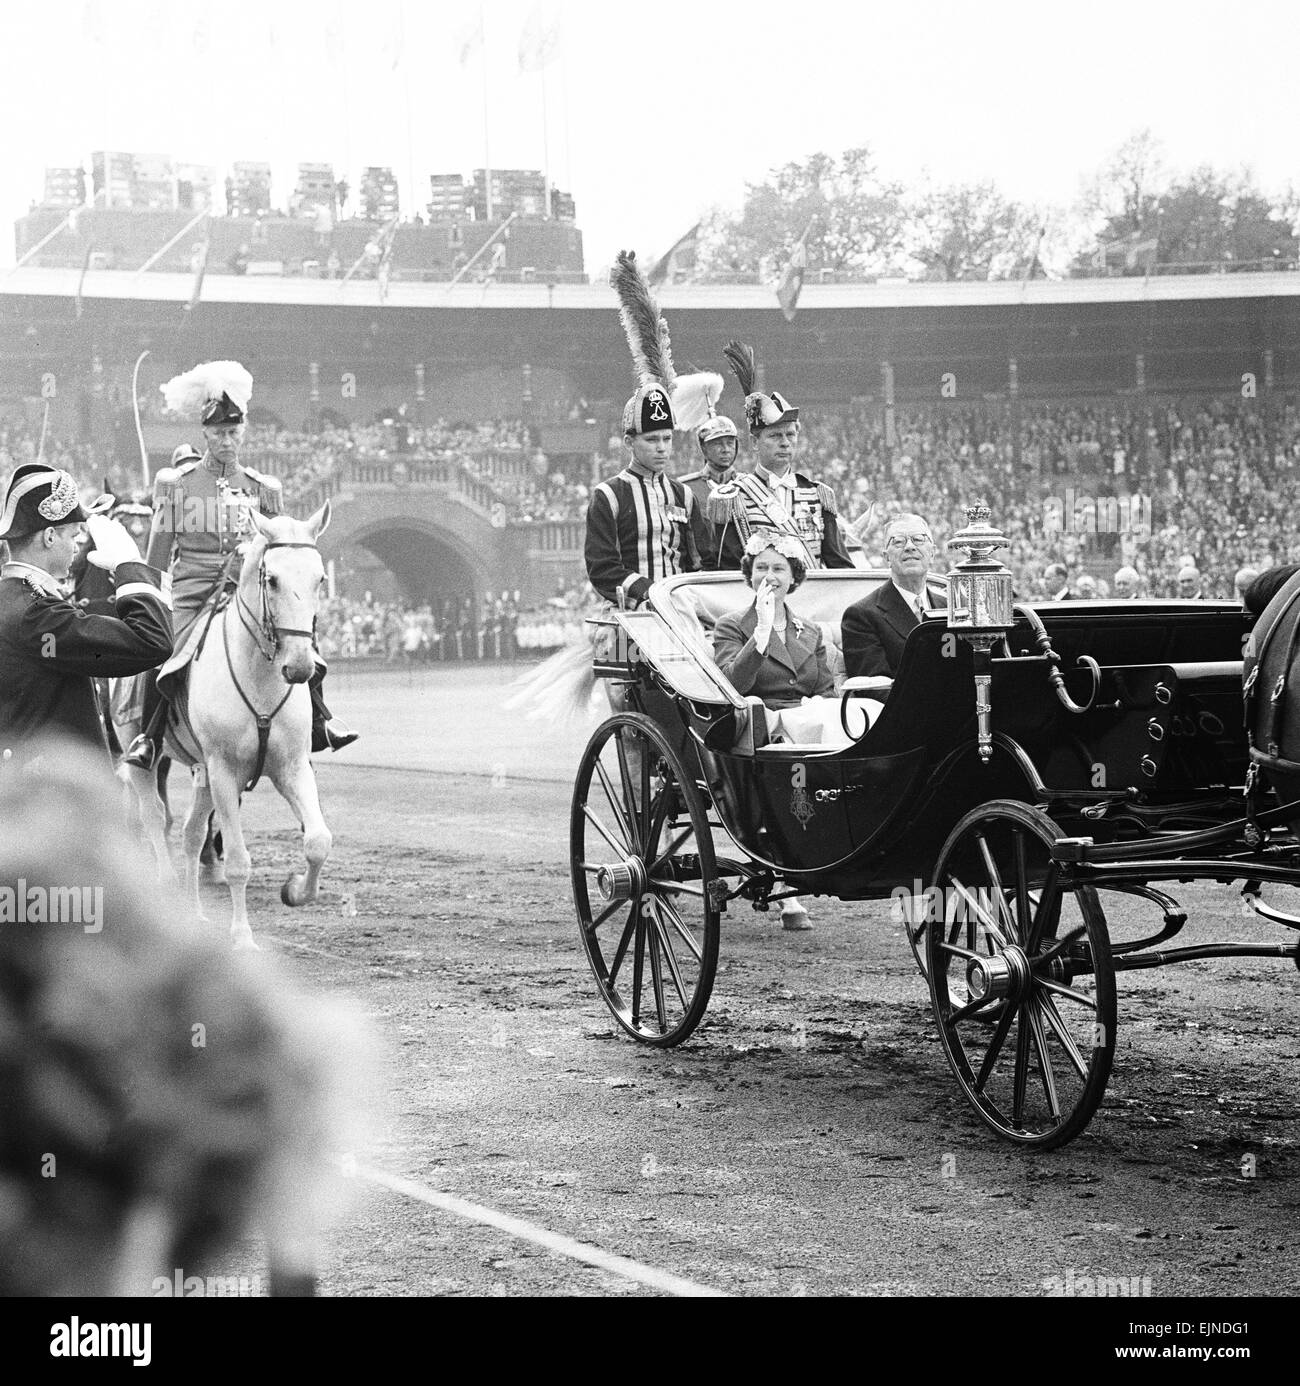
{"type": "Point", "coordinates": [282, 583]}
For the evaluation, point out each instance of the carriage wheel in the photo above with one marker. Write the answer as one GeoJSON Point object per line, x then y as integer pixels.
{"type": "Point", "coordinates": [642, 865]}
{"type": "Point", "coordinates": [1020, 975]}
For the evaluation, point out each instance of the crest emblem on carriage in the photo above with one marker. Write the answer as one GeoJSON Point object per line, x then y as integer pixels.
{"type": "Point", "coordinates": [801, 805]}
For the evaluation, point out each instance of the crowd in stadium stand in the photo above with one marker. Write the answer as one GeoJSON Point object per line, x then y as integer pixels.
{"type": "Point", "coordinates": [1219, 479]}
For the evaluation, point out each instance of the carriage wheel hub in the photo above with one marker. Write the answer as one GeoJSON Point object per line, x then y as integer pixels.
{"type": "Point", "coordinates": [625, 880]}
{"type": "Point", "coordinates": [996, 977]}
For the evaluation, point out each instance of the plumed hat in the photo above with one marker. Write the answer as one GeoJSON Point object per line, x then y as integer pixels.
{"type": "Point", "coordinates": [663, 399]}
{"type": "Point", "coordinates": [216, 391]}
{"type": "Point", "coordinates": [762, 410]}
{"type": "Point", "coordinates": [38, 497]}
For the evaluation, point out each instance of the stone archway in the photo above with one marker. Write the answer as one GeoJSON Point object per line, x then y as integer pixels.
{"type": "Point", "coordinates": [403, 559]}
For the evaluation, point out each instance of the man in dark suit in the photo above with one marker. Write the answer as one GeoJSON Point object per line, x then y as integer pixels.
{"type": "Point", "coordinates": [876, 628]}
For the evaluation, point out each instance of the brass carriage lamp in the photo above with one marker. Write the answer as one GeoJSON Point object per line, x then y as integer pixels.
{"type": "Point", "coordinates": [980, 607]}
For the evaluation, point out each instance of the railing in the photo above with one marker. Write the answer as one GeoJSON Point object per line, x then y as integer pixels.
{"type": "Point", "coordinates": [553, 536]}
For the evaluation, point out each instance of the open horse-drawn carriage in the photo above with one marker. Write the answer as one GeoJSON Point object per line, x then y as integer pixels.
{"type": "Point", "coordinates": [1027, 765]}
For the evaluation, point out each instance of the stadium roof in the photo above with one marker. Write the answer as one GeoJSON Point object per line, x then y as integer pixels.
{"type": "Point", "coordinates": [236, 289]}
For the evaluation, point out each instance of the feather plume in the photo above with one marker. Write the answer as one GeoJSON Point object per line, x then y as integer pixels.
{"type": "Point", "coordinates": [560, 690]}
{"type": "Point", "coordinates": [741, 360]}
{"type": "Point", "coordinates": [862, 524]}
{"type": "Point", "coordinates": [189, 392]}
{"type": "Point", "coordinates": [647, 333]}
{"type": "Point", "coordinates": [694, 397]}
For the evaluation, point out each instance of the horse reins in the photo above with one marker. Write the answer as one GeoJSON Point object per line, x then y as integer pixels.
{"type": "Point", "coordinates": [266, 629]}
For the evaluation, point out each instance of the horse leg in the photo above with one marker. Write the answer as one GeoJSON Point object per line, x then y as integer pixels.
{"type": "Point", "coordinates": [152, 821]}
{"type": "Point", "coordinates": [196, 822]}
{"type": "Point", "coordinates": [164, 769]}
{"type": "Point", "coordinates": [225, 791]}
{"type": "Point", "coordinates": [297, 785]}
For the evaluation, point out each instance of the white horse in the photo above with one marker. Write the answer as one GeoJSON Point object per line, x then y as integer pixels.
{"type": "Point", "coordinates": [247, 712]}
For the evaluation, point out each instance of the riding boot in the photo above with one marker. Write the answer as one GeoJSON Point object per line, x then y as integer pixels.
{"type": "Point", "coordinates": [143, 751]}
{"type": "Point", "coordinates": [326, 733]}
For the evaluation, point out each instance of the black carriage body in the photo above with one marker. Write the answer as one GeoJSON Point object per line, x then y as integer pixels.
{"type": "Point", "coordinates": [1162, 744]}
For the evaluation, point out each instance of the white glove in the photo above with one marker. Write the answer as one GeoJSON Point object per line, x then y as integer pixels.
{"type": "Point", "coordinates": [765, 608]}
{"type": "Point", "coordinates": [113, 543]}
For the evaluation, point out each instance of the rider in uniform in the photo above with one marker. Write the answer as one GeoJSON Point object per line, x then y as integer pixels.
{"type": "Point", "coordinates": [51, 649]}
{"type": "Point", "coordinates": [719, 442]}
{"type": "Point", "coordinates": [774, 495]}
{"type": "Point", "coordinates": [201, 517]}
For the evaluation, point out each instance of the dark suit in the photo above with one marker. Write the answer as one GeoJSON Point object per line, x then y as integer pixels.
{"type": "Point", "coordinates": [792, 669]}
{"type": "Point", "coordinates": [876, 628]}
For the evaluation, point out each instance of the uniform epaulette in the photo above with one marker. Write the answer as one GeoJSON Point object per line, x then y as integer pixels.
{"type": "Point", "coordinates": [269, 483]}
{"type": "Point", "coordinates": [167, 478]}
{"type": "Point", "coordinates": [690, 476]}
{"type": "Point", "coordinates": [827, 497]}
{"type": "Point", "coordinates": [722, 505]}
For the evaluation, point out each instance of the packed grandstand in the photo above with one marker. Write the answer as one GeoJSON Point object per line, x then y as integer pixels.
{"type": "Point", "coordinates": [1222, 484]}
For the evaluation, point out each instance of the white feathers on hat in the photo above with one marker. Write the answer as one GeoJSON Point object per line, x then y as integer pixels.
{"type": "Point", "coordinates": [189, 392]}
{"type": "Point", "coordinates": [694, 398]}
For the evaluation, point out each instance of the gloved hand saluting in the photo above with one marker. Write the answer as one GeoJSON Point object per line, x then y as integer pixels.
{"type": "Point", "coordinates": [113, 543]}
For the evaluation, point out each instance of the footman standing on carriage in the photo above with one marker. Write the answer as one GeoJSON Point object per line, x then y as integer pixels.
{"type": "Point", "coordinates": [51, 649]}
{"type": "Point", "coordinates": [774, 495]}
{"type": "Point", "coordinates": [720, 443]}
{"type": "Point", "coordinates": [201, 517]}
{"type": "Point", "coordinates": [642, 525]}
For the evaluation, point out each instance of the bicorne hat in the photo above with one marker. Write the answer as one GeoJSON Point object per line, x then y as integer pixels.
{"type": "Point", "coordinates": [38, 497]}
{"type": "Point", "coordinates": [762, 410]}
{"type": "Point", "coordinates": [216, 391]}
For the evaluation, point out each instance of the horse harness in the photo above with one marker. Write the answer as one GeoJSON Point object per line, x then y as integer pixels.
{"type": "Point", "coordinates": [265, 630]}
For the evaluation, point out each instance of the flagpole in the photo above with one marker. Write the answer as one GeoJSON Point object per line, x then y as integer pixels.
{"type": "Point", "coordinates": [139, 429]}
{"type": "Point", "coordinates": [42, 243]}
{"type": "Point", "coordinates": [460, 273]}
{"type": "Point", "coordinates": [183, 232]}
{"type": "Point", "coordinates": [487, 155]}
{"type": "Point", "coordinates": [546, 155]}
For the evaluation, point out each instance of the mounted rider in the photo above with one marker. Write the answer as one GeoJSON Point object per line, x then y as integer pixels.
{"type": "Point", "coordinates": [774, 495]}
{"type": "Point", "coordinates": [201, 518]}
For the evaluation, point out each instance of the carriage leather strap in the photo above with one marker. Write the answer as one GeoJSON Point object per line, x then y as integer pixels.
{"type": "Point", "coordinates": [1276, 700]}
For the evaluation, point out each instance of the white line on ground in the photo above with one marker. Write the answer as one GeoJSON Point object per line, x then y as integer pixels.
{"type": "Point", "coordinates": [530, 1232]}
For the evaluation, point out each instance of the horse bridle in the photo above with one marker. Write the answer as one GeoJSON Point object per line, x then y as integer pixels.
{"type": "Point", "coordinates": [266, 631]}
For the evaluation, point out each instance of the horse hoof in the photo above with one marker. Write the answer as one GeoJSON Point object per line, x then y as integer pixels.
{"type": "Point", "coordinates": [291, 892]}
{"type": "Point", "coordinates": [245, 943]}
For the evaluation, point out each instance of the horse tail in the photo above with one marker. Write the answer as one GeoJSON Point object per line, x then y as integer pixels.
{"type": "Point", "coordinates": [559, 690]}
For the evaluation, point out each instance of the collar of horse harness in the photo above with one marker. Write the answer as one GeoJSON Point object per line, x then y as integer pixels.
{"type": "Point", "coordinates": [266, 630]}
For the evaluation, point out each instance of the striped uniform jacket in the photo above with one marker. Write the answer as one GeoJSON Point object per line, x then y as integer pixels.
{"type": "Point", "coordinates": [640, 529]}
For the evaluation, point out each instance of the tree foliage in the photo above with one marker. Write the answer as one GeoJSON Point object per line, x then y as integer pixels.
{"type": "Point", "coordinates": [970, 231]}
{"type": "Point", "coordinates": [856, 219]}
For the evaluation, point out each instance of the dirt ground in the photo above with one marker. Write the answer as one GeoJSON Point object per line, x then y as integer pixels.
{"type": "Point", "coordinates": [809, 1138]}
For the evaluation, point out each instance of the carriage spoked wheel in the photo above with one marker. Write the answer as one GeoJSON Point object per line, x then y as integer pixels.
{"type": "Point", "coordinates": [642, 864]}
{"type": "Point", "coordinates": [1021, 979]}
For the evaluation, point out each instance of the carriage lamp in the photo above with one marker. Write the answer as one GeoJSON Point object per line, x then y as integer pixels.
{"type": "Point", "coordinates": [980, 607]}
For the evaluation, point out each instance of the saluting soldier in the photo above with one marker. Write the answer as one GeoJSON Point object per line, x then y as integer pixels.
{"type": "Point", "coordinates": [201, 516]}
{"type": "Point", "coordinates": [774, 495]}
{"type": "Point", "coordinates": [52, 649]}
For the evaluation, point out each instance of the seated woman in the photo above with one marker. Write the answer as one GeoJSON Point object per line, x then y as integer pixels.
{"type": "Point", "coordinates": [767, 651]}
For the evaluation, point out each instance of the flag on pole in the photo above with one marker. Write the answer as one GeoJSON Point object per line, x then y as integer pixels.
{"type": "Point", "coordinates": [469, 39]}
{"type": "Point", "coordinates": [787, 291]}
{"type": "Point", "coordinates": [1140, 248]}
{"type": "Point", "coordinates": [199, 265]}
{"type": "Point", "coordinates": [384, 245]}
{"type": "Point", "coordinates": [681, 256]}
{"type": "Point", "coordinates": [539, 43]}
{"type": "Point", "coordinates": [81, 282]}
